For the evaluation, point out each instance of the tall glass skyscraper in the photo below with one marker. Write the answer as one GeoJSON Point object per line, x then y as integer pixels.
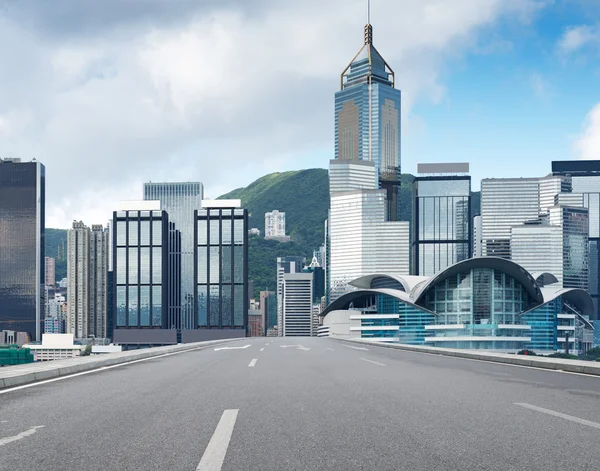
{"type": "Point", "coordinates": [180, 200]}
{"type": "Point", "coordinates": [22, 271]}
{"type": "Point", "coordinates": [367, 119]}
{"type": "Point", "coordinates": [585, 180]}
{"type": "Point", "coordinates": [442, 234]}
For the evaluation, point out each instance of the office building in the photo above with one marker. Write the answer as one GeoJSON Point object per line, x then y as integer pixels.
{"type": "Point", "coordinates": [367, 119]}
{"type": "Point", "coordinates": [477, 236]}
{"type": "Point", "coordinates": [99, 238]}
{"type": "Point", "coordinates": [55, 347]}
{"type": "Point", "coordinates": [142, 259]}
{"type": "Point", "coordinates": [54, 325]}
{"type": "Point", "coordinates": [22, 225]}
{"type": "Point", "coordinates": [268, 307]}
{"type": "Point", "coordinates": [298, 320]}
{"type": "Point", "coordinates": [50, 271]}
{"type": "Point", "coordinates": [441, 217]}
{"type": "Point", "coordinates": [289, 264]}
{"type": "Point", "coordinates": [78, 276]}
{"type": "Point", "coordinates": [479, 303]}
{"type": "Point", "coordinates": [275, 225]}
{"type": "Point", "coordinates": [585, 181]}
{"type": "Point", "coordinates": [180, 200]}
{"type": "Point", "coordinates": [255, 323]}
{"type": "Point", "coordinates": [360, 240]}
{"type": "Point", "coordinates": [220, 272]}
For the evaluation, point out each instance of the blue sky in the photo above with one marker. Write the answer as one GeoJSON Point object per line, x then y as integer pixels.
{"type": "Point", "coordinates": [111, 94]}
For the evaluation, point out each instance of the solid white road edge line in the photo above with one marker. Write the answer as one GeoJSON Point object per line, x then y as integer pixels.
{"type": "Point", "coordinates": [102, 368]}
{"type": "Point", "coordinates": [589, 423]}
{"type": "Point", "coordinates": [253, 362]}
{"type": "Point", "coordinates": [19, 436]}
{"type": "Point", "coordinates": [371, 361]}
{"type": "Point", "coordinates": [214, 455]}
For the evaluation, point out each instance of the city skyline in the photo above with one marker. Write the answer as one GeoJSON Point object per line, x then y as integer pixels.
{"type": "Point", "coordinates": [489, 64]}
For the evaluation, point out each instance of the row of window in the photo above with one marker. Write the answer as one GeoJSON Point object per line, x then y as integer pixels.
{"type": "Point", "coordinates": [221, 232]}
{"type": "Point", "coordinates": [141, 265]}
{"type": "Point", "coordinates": [221, 305]}
{"type": "Point", "coordinates": [139, 306]}
{"type": "Point", "coordinates": [139, 232]}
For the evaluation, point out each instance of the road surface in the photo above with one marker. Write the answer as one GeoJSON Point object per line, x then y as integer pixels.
{"type": "Point", "coordinates": [304, 404]}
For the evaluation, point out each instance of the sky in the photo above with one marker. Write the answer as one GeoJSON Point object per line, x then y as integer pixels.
{"type": "Point", "coordinates": [111, 94]}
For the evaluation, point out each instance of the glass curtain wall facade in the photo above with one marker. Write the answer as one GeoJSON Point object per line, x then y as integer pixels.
{"type": "Point", "coordinates": [22, 222]}
{"type": "Point", "coordinates": [221, 271]}
{"type": "Point", "coordinates": [141, 277]}
{"type": "Point", "coordinates": [585, 180]}
{"type": "Point", "coordinates": [441, 223]}
{"type": "Point", "coordinates": [368, 119]}
{"type": "Point", "coordinates": [180, 200]}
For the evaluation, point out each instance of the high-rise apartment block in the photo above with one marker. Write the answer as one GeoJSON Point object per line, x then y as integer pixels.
{"type": "Point", "coordinates": [275, 225]}
{"type": "Point", "coordinates": [50, 271]}
{"type": "Point", "coordinates": [87, 275]}
{"type": "Point", "coordinates": [289, 264]}
{"type": "Point", "coordinates": [22, 223]}
{"type": "Point", "coordinates": [441, 217]}
{"type": "Point", "coordinates": [180, 200]}
{"type": "Point", "coordinates": [142, 284]}
{"type": "Point", "coordinates": [298, 319]}
{"type": "Point", "coordinates": [221, 271]}
{"type": "Point", "coordinates": [367, 119]}
{"type": "Point", "coordinates": [360, 240]}
{"type": "Point", "coordinates": [78, 276]}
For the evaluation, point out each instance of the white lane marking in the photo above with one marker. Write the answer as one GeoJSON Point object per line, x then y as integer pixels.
{"type": "Point", "coordinates": [298, 347]}
{"type": "Point", "coordinates": [214, 455]}
{"type": "Point", "coordinates": [330, 349]}
{"type": "Point", "coordinates": [102, 368]}
{"type": "Point", "coordinates": [559, 414]}
{"type": "Point", "coordinates": [371, 361]}
{"type": "Point", "coordinates": [262, 349]}
{"type": "Point", "coordinates": [253, 362]}
{"type": "Point", "coordinates": [356, 348]}
{"type": "Point", "coordinates": [232, 348]}
{"type": "Point", "coordinates": [26, 433]}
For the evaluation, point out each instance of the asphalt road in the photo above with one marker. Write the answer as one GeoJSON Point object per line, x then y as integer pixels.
{"type": "Point", "coordinates": [317, 404]}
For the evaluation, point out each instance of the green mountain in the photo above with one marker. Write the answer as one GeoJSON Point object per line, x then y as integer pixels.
{"type": "Point", "coordinates": [303, 195]}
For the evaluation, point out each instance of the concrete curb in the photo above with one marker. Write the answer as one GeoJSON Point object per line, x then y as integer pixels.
{"type": "Point", "coordinates": [19, 375]}
{"type": "Point", "coordinates": [569, 366]}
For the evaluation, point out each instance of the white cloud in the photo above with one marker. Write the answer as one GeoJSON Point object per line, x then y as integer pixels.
{"type": "Point", "coordinates": [587, 147]}
{"type": "Point", "coordinates": [539, 85]}
{"type": "Point", "coordinates": [221, 93]}
{"type": "Point", "coordinates": [576, 37]}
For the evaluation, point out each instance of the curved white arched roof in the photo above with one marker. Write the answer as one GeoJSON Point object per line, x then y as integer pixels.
{"type": "Point", "coordinates": [347, 298]}
{"type": "Point", "coordinates": [546, 278]}
{"type": "Point", "coordinates": [497, 263]}
{"type": "Point", "coordinates": [408, 282]}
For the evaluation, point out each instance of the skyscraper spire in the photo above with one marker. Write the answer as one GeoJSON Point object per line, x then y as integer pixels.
{"type": "Point", "coordinates": [368, 27]}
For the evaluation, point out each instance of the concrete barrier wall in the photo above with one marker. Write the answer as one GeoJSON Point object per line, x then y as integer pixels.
{"type": "Point", "coordinates": [11, 376]}
{"type": "Point", "coordinates": [571, 366]}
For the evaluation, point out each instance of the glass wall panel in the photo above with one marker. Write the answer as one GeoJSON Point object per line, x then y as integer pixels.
{"type": "Point", "coordinates": [202, 305]}
{"type": "Point", "coordinates": [214, 265]}
{"type": "Point", "coordinates": [156, 232]}
{"type": "Point", "coordinates": [215, 237]}
{"type": "Point", "coordinates": [145, 232]}
{"type": "Point", "coordinates": [238, 264]}
{"type": "Point", "coordinates": [133, 306]}
{"type": "Point", "coordinates": [121, 267]}
{"type": "Point", "coordinates": [133, 265]}
{"type": "Point", "coordinates": [238, 305]}
{"type": "Point", "coordinates": [226, 305]}
{"type": "Point", "coordinates": [133, 232]}
{"type": "Point", "coordinates": [145, 265]}
{"type": "Point", "coordinates": [238, 231]}
{"type": "Point", "coordinates": [157, 306]}
{"type": "Point", "coordinates": [121, 233]}
{"type": "Point", "coordinates": [157, 265]}
{"type": "Point", "coordinates": [226, 231]}
{"type": "Point", "coordinates": [203, 264]}
{"type": "Point", "coordinates": [214, 305]}
{"type": "Point", "coordinates": [202, 232]}
{"type": "Point", "coordinates": [121, 306]}
{"type": "Point", "coordinates": [226, 264]}
{"type": "Point", "coordinates": [145, 306]}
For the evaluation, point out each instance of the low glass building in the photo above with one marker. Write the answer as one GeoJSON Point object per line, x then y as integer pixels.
{"type": "Point", "coordinates": [484, 303]}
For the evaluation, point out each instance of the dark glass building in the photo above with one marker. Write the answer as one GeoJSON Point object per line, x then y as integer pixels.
{"type": "Point", "coordinates": [221, 271]}
{"type": "Point", "coordinates": [442, 233]}
{"type": "Point", "coordinates": [141, 281]}
{"type": "Point", "coordinates": [22, 225]}
{"type": "Point", "coordinates": [585, 180]}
